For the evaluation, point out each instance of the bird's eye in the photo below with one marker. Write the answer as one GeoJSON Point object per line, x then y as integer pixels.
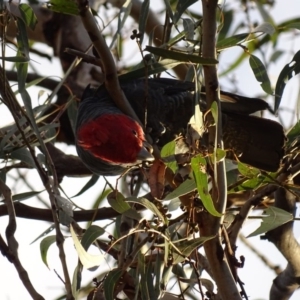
{"type": "Point", "coordinates": [134, 132]}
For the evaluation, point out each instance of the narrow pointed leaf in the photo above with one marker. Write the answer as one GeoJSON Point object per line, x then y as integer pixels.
{"type": "Point", "coordinates": [24, 155]}
{"type": "Point", "coordinates": [143, 19]}
{"type": "Point", "coordinates": [181, 56]}
{"type": "Point", "coordinates": [151, 69]}
{"type": "Point", "coordinates": [187, 247]}
{"type": "Point", "coordinates": [91, 234]}
{"type": "Point", "coordinates": [260, 73]}
{"type": "Point", "coordinates": [181, 7]}
{"type": "Point", "coordinates": [272, 218]}
{"type": "Point", "coordinates": [28, 15]}
{"type": "Point", "coordinates": [25, 196]}
{"type": "Point", "coordinates": [291, 69]}
{"type": "Point", "coordinates": [149, 205]}
{"type": "Point", "coordinates": [186, 187]}
{"type": "Point", "coordinates": [198, 164]}
{"type": "Point", "coordinates": [44, 246]}
{"type": "Point", "coordinates": [169, 150]}
{"type": "Point", "coordinates": [118, 203]}
{"type": "Point", "coordinates": [111, 282]}
{"type": "Point", "coordinates": [88, 185]}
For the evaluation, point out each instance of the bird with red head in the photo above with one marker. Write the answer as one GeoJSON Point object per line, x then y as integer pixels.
{"type": "Point", "coordinates": [109, 142]}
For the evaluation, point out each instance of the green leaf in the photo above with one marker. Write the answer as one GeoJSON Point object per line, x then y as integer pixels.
{"type": "Point", "coordinates": [144, 289]}
{"type": "Point", "coordinates": [226, 25]}
{"type": "Point", "coordinates": [181, 56]}
{"type": "Point", "coordinates": [44, 246]}
{"type": "Point", "coordinates": [25, 196]}
{"type": "Point", "coordinates": [214, 111]}
{"type": "Point", "coordinates": [118, 203]}
{"type": "Point", "coordinates": [166, 273]}
{"type": "Point", "coordinates": [88, 185]}
{"type": "Point", "coordinates": [252, 184]}
{"type": "Point", "coordinates": [272, 218]}
{"type": "Point", "coordinates": [149, 271]}
{"type": "Point", "coordinates": [149, 205]}
{"type": "Point", "coordinates": [110, 283]}
{"type": "Point", "coordinates": [158, 272]}
{"type": "Point", "coordinates": [143, 19]}
{"type": "Point", "coordinates": [68, 7]}
{"type": "Point", "coordinates": [198, 164]}
{"type": "Point", "coordinates": [44, 233]}
{"type": "Point", "coordinates": [169, 9]}
{"type": "Point", "coordinates": [184, 188]}
{"type": "Point", "coordinates": [76, 278]}
{"type": "Point", "coordinates": [24, 155]}
{"type": "Point", "coordinates": [276, 55]}
{"type": "Point", "coordinates": [23, 44]}
{"type": "Point", "coordinates": [219, 155]}
{"type": "Point", "coordinates": [15, 59]}
{"type": "Point", "coordinates": [181, 7]}
{"type": "Point", "coordinates": [260, 73]}
{"type": "Point", "coordinates": [231, 41]}
{"type": "Point", "coordinates": [248, 171]}
{"type": "Point", "coordinates": [295, 25]}
{"type": "Point", "coordinates": [291, 69]}
{"type": "Point", "coordinates": [122, 17]}
{"type": "Point", "coordinates": [155, 68]}
{"type": "Point", "coordinates": [28, 15]}
{"type": "Point", "coordinates": [187, 247]}
{"type": "Point", "coordinates": [245, 37]}
{"type": "Point", "coordinates": [91, 234]}
{"type": "Point", "coordinates": [174, 39]}
{"type": "Point", "coordinates": [169, 150]}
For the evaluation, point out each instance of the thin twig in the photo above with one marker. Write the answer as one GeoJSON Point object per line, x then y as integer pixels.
{"type": "Point", "coordinates": [12, 244]}
{"type": "Point", "coordinates": [109, 68]}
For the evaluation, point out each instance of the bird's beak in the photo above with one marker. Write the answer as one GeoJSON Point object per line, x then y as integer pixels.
{"type": "Point", "coordinates": [145, 153]}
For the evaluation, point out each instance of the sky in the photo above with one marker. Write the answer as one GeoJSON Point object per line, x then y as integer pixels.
{"type": "Point", "coordinates": [47, 282]}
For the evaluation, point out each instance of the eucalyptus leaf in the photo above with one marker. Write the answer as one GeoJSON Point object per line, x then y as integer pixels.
{"type": "Point", "coordinates": [93, 180]}
{"type": "Point", "coordinates": [90, 235]}
{"type": "Point", "coordinates": [181, 7]}
{"type": "Point", "coordinates": [187, 247]}
{"type": "Point", "coordinates": [110, 282]}
{"type": "Point", "coordinates": [28, 15]}
{"type": "Point", "coordinates": [69, 7]}
{"type": "Point", "coordinates": [44, 247]}
{"type": "Point", "coordinates": [24, 155]}
{"type": "Point", "coordinates": [272, 218]}
{"type": "Point", "coordinates": [198, 164]}
{"type": "Point", "coordinates": [143, 19]}
{"type": "Point", "coordinates": [289, 71]}
{"type": "Point", "coordinates": [184, 188]}
{"type": "Point", "coordinates": [180, 56]}
{"type": "Point", "coordinates": [260, 73]}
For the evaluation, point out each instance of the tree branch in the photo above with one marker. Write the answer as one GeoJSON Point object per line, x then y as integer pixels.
{"type": "Point", "coordinates": [287, 282]}
{"type": "Point", "coordinates": [210, 225]}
